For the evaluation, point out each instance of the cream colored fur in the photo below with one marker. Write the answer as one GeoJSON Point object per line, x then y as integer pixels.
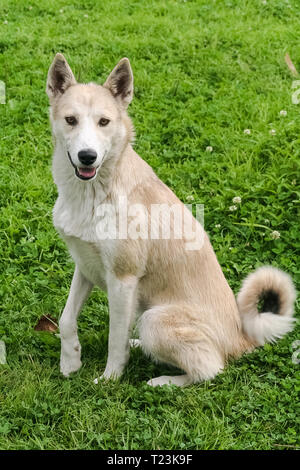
{"type": "Point", "coordinates": [267, 327]}
{"type": "Point", "coordinates": [188, 315]}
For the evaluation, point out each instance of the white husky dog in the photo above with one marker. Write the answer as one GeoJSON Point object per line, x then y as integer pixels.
{"type": "Point", "coordinates": [188, 315]}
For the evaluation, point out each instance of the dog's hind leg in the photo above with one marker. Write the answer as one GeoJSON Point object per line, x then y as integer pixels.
{"type": "Point", "coordinates": [176, 334]}
{"type": "Point", "coordinates": [70, 346]}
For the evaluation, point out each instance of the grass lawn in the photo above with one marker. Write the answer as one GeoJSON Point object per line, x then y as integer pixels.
{"type": "Point", "coordinates": [204, 72]}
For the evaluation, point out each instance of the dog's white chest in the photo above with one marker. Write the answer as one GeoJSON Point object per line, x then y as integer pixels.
{"type": "Point", "coordinates": [77, 225]}
{"type": "Point", "coordinates": [76, 220]}
{"type": "Point", "coordinates": [87, 257]}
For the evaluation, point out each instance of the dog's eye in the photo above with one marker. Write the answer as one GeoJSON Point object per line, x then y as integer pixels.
{"type": "Point", "coordinates": [103, 122]}
{"type": "Point", "coordinates": [71, 120]}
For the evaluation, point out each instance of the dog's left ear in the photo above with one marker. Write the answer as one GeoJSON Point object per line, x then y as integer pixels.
{"type": "Point", "coordinates": [120, 82]}
{"type": "Point", "coordinates": [60, 77]}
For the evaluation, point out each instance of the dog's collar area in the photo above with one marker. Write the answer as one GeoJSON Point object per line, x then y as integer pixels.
{"type": "Point", "coordinates": [83, 173]}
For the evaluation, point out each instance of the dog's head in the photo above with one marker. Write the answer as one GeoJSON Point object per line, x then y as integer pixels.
{"type": "Point", "coordinates": [89, 121]}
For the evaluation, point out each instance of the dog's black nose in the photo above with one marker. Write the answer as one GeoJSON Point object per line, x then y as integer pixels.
{"type": "Point", "coordinates": [87, 156]}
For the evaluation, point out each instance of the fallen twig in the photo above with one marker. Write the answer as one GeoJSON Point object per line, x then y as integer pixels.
{"type": "Point", "coordinates": [290, 65]}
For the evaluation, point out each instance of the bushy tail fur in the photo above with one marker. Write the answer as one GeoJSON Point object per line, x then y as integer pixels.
{"type": "Point", "coordinates": [275, 290]}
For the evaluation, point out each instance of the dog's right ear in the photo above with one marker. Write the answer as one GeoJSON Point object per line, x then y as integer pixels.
{"type": "Point", "coordinates": [60, 77]}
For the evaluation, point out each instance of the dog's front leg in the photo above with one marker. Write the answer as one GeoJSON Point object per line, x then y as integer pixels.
{"type": "Point", "coordinates": [122, 306]}
{"type": "Point", "coordinates": [70, 346]}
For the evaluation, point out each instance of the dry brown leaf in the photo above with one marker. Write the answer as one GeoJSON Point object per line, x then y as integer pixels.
{"type": "Point", "coordinates": [46, 323]}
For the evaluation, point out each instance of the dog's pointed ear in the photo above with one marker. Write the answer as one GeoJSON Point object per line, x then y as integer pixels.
{"type": "Point", "coordinates": [120, 82]}
{"type": "Point", "coordinates": [60, 77]}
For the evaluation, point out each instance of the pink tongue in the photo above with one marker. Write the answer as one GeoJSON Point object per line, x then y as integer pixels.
{"type": "Point", "coordinates": [87, 172]}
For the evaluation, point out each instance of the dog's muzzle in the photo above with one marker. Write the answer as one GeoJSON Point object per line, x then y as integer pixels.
{"type": "Point", "coordinates": [85, 172]}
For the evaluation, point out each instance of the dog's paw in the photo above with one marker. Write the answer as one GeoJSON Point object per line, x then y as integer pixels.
{"type": "Point", "coordinates": [103, 378]}
{"type": "Point", "coordinates": [67, 366]}
{"type": "Point", "coordinates": [179, 380]}
{"type": "Point", "coordinates": [108, 374]}
{"type": "Point", "coordinates": [135, 343]}
{"type": "Point", "coordinates": [159, 381]}
{"type": "Point", "coordinates": [97, 380]}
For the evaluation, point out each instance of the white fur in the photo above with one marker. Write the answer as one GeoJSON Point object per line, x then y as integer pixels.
{"type": "Point", "coordinates": [192, 351]}
{"type": "Point", "coordinates": [267, 326]}
{"type": "Point", "coordinates": [135, 343]}
{"type": "Point", "coordinates": [189, 317]}
{"type": "Point", "coordinates": [75, 211]}
{"type": "Point", "coordinates": [70, 346]}
{"type": "Point", "coordinates": [179, 380]}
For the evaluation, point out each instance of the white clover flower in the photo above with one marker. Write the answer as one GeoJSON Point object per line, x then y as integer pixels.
{"type": "Point", "coordinates": [218, 225]}
{"type": "Point", "coordinates": [190, 198]}
{"type": "Point", "coordinates": [237, 200]}
{"type": "Point", "coordinates": [5, 22]}
{"type": "Point", "coordinates": [232, 208]}
{"type": "Point", "coordinates": [273, 131]}
{"type": "Point", "coordinates": [247, 131]}
{"type": "Point", "coordinates": [266, 221]}
{"type": "Point", "coordinates": [275, 234]}
{"type": "Point", "coordinates": [209, 148]}
{"type": "Point", "coordinates": [61, 10]}
{"type": "Point", "coordinates": [283, 112]}
{"type": "Point", "coordinates": [86, 16]}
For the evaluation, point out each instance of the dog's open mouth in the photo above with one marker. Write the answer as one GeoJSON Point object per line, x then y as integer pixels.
{"type": "Point", "coordinates": [84, 172]}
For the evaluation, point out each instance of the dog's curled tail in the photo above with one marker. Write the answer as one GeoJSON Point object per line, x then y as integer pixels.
{"type": "Point", "coordinates": [275, 291]}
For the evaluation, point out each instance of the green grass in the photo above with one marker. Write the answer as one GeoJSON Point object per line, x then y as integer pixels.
{"type": "Point", "coordinates": [204, 72]}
